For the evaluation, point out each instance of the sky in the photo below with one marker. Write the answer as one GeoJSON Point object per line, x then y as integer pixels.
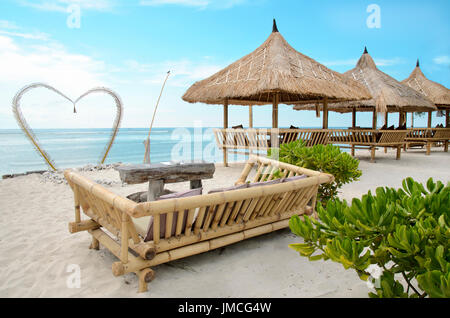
{"type": "Point", "coordinates": [128, 46]}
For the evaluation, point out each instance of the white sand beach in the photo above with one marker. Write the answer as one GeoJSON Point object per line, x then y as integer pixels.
{"type": "Point", "coordinates": [36, 248]}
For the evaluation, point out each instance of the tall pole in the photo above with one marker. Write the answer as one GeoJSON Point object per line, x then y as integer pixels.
{"type": "Point", "coordinates": [386, 118]}
{"type": "Point", "coordinates": [147, 142]}
{"type": "Point", "coordinates": [250, 116]}
{"type": "Point", "coordinates": [225, 126]}
{"type": "Point", "coordinates": [325, 113]}
{"type": "Point", "coordinates": [412, 120]}
{"type": "Point", "coordinates": [429, 119]}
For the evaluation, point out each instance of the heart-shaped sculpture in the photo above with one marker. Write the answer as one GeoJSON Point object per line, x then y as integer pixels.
{"type": "Point", "coordinates": [30, 134]}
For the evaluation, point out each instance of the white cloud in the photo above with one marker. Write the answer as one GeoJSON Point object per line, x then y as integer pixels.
{"type": "Point", "coordinates": [11, 29]}
{"type": "Point", "coordinates": [442, 60]}
{"type": "Point", "coordinates": [50, 63]}
{"type": "Point", "coordinates": [62, 5]}
{"type": "Point", "coordinates": [30, 36]}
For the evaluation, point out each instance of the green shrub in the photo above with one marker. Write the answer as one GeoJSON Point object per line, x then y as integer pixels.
{"type": "Point", "coordinates": [329, 159]}
{"type": "Point", "coordinates": [405, 232]}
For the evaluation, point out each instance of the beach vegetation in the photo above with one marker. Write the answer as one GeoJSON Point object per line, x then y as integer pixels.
{"type": "Point", "coordinates": [324, 158]}
{"type": "Point", "coordinates": [403, 233]}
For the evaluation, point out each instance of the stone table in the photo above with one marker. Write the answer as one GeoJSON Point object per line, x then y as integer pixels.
{"type": "Point", "coordinates": [157, 174]}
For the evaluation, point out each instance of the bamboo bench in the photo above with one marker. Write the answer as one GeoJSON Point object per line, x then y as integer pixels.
{"type": "Point", "coordinates": [264, 139]}
{"type": "Point", "coordinates": [212, 220]}
{"type": "Point", "coordinates": [428, 136]}
{"type": "Point", "coordinates": [369, 138]}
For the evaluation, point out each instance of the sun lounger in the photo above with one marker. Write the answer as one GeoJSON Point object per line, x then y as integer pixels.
{"type": "Point", "coordinates": [143, 235]}
{"type": "Point", "coordinates": [369, 139]}
{"type": "Point", "coordinates": [428, 136]}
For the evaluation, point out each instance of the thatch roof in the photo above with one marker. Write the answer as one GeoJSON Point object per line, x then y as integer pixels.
{"type": "Point", "coordinates": [389, 95]}
{"type": "Point", "coordinates": [437, 93]}
{"type": "Point", "coordinates": [275, 67]}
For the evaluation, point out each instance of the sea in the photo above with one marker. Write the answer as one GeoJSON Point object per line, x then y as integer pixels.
{"type": "Point", "coordinates": [70, 148]}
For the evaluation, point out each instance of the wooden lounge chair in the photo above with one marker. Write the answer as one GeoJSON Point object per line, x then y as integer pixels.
{"type": "Point", "coordinates": [369, 139]}
{"type": "Point", "coordinates": [428, 136]}
{"type": "Point", "coordinates": [209, 221]}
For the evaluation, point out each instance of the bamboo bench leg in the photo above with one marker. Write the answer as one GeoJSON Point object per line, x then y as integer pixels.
{"type": "Point", "coordinates": [428, 148]}
{"type": "Point", "coordinates": [95, 244]}
{"type": "Point", "coordinates": [372, 154]}
{"type": "Point", "coordinates": [145, 276]}
{"type": "Point", "coordinates": [446, 146]}
{"type": "Point", "coordinates": [399, 151]}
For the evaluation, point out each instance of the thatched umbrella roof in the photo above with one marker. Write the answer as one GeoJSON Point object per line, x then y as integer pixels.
{"type": "Point", "coordinates": [389, 95]}
{"type": "Point", "coordinates": [275, 68]}
{"type": "Point", "coordinates": [437, 93]}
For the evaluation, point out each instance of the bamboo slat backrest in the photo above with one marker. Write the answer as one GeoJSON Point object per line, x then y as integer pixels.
{"type": "Point", "coordinates": [230, 210]}
{"type": "Point", "coordinates": [264, 139]}
{"type": "Point", "coordinates": [442, 133]}
{"type": "Point", "coordinates": [424, 133]}
{"type": "Point", "coordinates": [393, 136]}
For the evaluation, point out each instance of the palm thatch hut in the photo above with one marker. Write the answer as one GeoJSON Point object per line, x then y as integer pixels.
{"type": "Point", "coordinates": [437, 93]}
{"type": "Point", "coordinates": [275, 73]}
{"type": "Point", "coordinates": [389, 95]}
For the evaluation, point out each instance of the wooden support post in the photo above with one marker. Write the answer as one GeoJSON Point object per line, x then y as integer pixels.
{"type": "Point", "coordinates": [276, 100]}
{"type": "Point", "coordinates": [250, 116]}
{"type": "Point", "coordinates": [386, 121]}
{"type": "Point", "coordinates": [447, 118]}
{"type": "Point", "coordinates": [145, 277]}
{"type": "Point", "coordinates": [155, 189]}
{"type": "Point", "coordinates": [372, 154]}
{"type": "Point", "coordinates": [430, 114]}
{"type": "Point", "coordinates": [401, 118]}
{"type": "Point", "coordinates": [353, 126]}
{"type": "Point", "coordinates": [412, 119]}
{"type": "Point", "coordinates": [225, 126]}
{"type": "Point", "coordinates": [95, 244]}
{"type": "Point", "coordinates": [374, 119]}
{"type": "Point", "coordinates": [399, 151]}
{"type": "Point", "coordinates": [428, 148]}
{"type": "Point", "coordinates": [196, 184]}
{"type": "Point", "coordinates": [325, 114]}
{"type": "Point", "coordinates": [354, 118]}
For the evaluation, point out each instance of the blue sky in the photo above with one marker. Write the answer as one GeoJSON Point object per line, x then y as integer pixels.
{"type": "Point", "coordinates": [130, 45]}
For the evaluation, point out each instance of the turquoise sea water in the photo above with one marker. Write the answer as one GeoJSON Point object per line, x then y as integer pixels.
{"type": "Point", "coordinates": [78, 147]}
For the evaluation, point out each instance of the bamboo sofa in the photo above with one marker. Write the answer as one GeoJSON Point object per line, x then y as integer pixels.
{"type": "Point", "coordinates": [427, 137]}
{"type": "Point", "coordinates": [368, 139]}
{"type": "Point", "coordinates": [210, 221]}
